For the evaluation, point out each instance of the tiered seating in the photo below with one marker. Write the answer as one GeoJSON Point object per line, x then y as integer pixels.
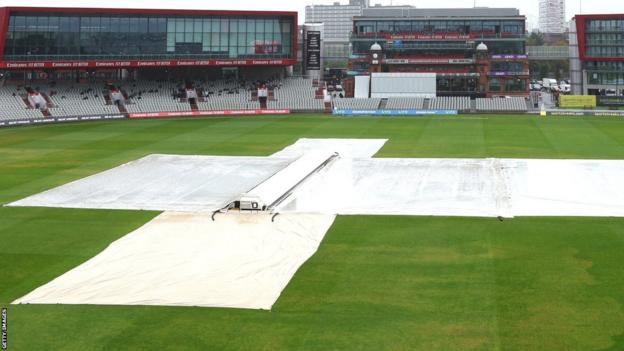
{"type": "Point", "coordinates": [396, 103]}
{"type": "Point", "coordinates": [460, 103]}
{"type": "Point", "coordinates": [14, 108]}
{"type": "Point", "coordinates": [296, 94]}
{"type": "Point", "coordinates": [159, 104]}
{"type": "Point", "coordinates": [153, 96]}
{"type": "Point", "coordinates": [227, 95]}
{"type": "Point", "coordinates": [514, 104]}
{"type": "Point", "coordinates": [81, 100]}
{"type": "Point", "coordinates": [356, 104]}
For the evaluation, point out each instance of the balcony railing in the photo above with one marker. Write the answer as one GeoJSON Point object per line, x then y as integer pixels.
{"type": "Point", "coordinates": [605, 30]}
{"type": "Point", "coordinates": [548, 52]}
{"type": "Point", "coordinates": [430, 46]}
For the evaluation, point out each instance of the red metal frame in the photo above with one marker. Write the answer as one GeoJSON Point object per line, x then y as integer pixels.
{"type": "Point", "coordinates": [4, 26]}
{"type": "Point", "coordinates": [5, 13]}
{"type": "Point", "coordinates": [581, 30]}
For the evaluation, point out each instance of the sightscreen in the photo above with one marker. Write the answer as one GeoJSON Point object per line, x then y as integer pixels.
{"type": "Point", "coordinates": [385, 85]}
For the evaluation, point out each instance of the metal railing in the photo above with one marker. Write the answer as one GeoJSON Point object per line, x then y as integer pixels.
{"type": "Point", "coordinates": [548, 52]}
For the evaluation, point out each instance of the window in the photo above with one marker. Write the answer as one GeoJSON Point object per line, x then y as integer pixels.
{"type": "Point", "coordinates": [491, 26]}
{"type": "Point", "coordinates": [495, 84]}
{"type": "Point", "coordinates": [198, 26]}
{"type": "Point", "coordinates": [456, 26]}
{"type": "Point", "coordinates": [438, 26]}
{"type": "Point", "coordinates": [515, 85]}
{"type": "Point", "coordinates": [76, 36]}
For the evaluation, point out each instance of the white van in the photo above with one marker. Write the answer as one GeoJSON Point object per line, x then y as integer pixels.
{"type": "Point", "coordinates": [549, 83]}
{"type": "Point", "coordinates": [564, 87]}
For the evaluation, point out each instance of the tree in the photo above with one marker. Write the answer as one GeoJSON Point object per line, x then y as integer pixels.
{"type": "Point", "coordinates": [535, 39]}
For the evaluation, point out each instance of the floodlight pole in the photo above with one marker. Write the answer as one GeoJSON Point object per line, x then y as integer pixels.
{"type": "Point", "coordinates": [581, 7]}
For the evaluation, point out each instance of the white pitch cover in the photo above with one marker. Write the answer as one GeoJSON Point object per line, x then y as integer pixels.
{"type": "Point", "coordinates": [286, 179]}
{"type": "Point", "coordinates": [187, 259]}
{"type": "Point", "coordinates": [163, 183]}
{"type": "Point", "coordinates": [246, 260]}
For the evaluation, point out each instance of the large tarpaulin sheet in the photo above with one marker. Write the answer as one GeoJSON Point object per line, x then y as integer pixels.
{"type": "Point", "coordinates": [464, 187]}
{"type": "Point", "coordinates": [346, 148]}
{"type": "Point", "coordinates": [246, 260]}
{"type": "Point", "coordinates": [187, 183]}
{"type": "Point", "coordinates": [163, 183]}
{"type": "Point", "coordinates": [186, 259]}
{"type": "Point", "coordinates": [274, 188]}
{"type": "Point", "coordinates": [358, 184]}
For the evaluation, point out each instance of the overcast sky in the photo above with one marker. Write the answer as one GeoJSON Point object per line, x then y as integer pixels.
{"type": "Point", "coordinates": [527, 7]}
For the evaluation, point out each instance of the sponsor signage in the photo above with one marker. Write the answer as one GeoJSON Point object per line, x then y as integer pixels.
{"type": "Point", "coordinates": [394, 112]}
{"type": "Point", "coordinates": [500, 74]}
{"type": "Point", "coordinates": [441, 36]}
{"type": "Point", "coordinates": [313, 51]}
{"type": "Point", "coordinates": [208, 113]}
{"type": "Point", "coordinates": [429, 61]}
{"type": "Point", "coordinates": [509, 57]}
{"type": "Point", "coordinates": [585, 113]}
{"type": "Point", "coordinates": [457, 74]}
{"type": "Point", "coordinates": [611, 100]}
{"type": "Point", "coordinates": [49, 120]}
{"type": "Point", "coordinates": [577, 101]}
{"type": "Point", "coordinates": [142, 63]}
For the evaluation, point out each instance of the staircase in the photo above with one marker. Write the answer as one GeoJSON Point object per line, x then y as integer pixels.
{"type": "Point", "coordinates": [426, 104]}
{"type": "Point", "coordinates": [122, 108]}
{"type": "Point", "coordinates": [382, 104]}
{"type": "Point", "coordinates": [328, 107]}
{"type": "Point", "coordinates": [193, 104]}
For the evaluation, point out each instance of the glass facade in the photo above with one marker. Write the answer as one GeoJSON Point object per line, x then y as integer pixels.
{"type": "Point", "coordinates": [392, 49]}
{"type": "Point", "coordinates": [440, 36]}
{"type": "Point", "coordinates": [501, 27]}
{"type": "Point", "coordinates": [39, 36]}
{"type": "Point", "coordinates": [515, 85]}
{"type": "Point", "coordinates": [507, 66]}
{"type": "Point", "coordinates": [605, 73]}
{"type": "Point", "coordinates": [604, 38]}
{"type": "Point", "coordinates": [610, 25]}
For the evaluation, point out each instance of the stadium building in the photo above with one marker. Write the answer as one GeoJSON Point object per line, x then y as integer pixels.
{"type": "Point", "coordinates": [68, 64]}
{"type": "Point", "coordinates": [597, 55]}
{"type": "Point", "coordinates": [135, 62]}
{"type": "Point", "coordinates": [474, 52]}
{"type": "Point", "coordinates": [115, 42]}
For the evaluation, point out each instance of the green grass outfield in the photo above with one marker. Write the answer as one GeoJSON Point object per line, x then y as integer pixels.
{"type": "Point", "coordinates": [376, 283]}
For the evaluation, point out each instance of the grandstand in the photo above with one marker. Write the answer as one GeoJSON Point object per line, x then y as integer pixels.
{"type": "Point", "coordinates": [297, 95]}
{"type": "Point", "coordinates": [357, 104]}
{"type": "Point", "coordinates": [73, 99]}
{"type": "Point", "coordinates": [165, 78]}
{"type": "Point", "coordinates": [460, 103]}
{"type": "Point", "coordinates": [226, 95]}
{"type": "Point", "coordinates": [77, 100]}
{"type": "Point", "coordinates": [405, 103]}
{"type": "Point", "coordinates": [294, 94]}
{"type": "Point", "coordinates": [14, 107]}
{"type": "Point", "coordinates": [514, 104]}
